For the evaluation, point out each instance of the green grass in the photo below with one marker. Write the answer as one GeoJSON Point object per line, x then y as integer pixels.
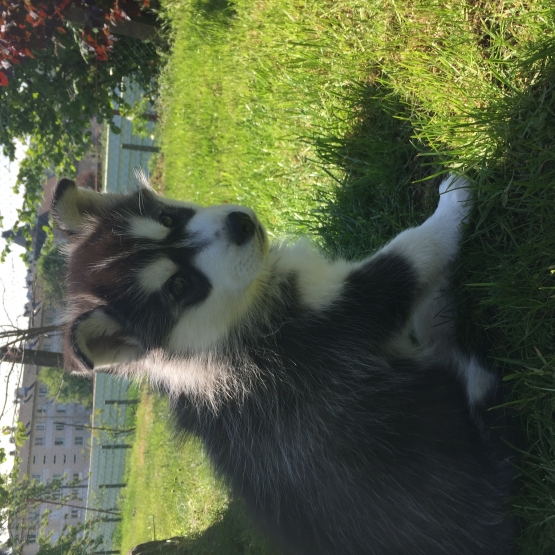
{"type": "Point", "coordinates": [336, 118]}
{"type": "Point", "coordinates": [171, 491]}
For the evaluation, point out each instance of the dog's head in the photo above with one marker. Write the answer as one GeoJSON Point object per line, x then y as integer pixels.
{"type": "Point", "coordinates": [148, 273]}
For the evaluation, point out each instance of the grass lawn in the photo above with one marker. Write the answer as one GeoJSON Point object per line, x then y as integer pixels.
{"type": "Point", "coordinates": [172, 492]}
{"type": "Point", "coordinates": [336, 118]}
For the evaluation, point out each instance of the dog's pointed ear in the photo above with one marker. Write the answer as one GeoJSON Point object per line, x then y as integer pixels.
{"type": "Point", "coordinates": [96, 340]}
{"type": "Point", "coordinates": [71, 205]}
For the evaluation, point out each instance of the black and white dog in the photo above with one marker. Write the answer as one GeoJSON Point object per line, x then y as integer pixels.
{"type": "Point", "coordinates": [332, 396]}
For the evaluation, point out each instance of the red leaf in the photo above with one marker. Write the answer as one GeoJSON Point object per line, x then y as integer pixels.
{"type": "Point", "coordinates": [3, 79]}
{"type": "Point", "coordinates": [28, 53]}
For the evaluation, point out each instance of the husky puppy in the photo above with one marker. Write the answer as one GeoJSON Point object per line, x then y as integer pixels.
{"type": "Point", "coordinates": [332, 396]}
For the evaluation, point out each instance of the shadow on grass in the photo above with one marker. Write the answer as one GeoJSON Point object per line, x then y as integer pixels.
{"type": "Point", "coordinates": [231, 535]}
{"type": "Point", "coordinates": [506, 284]}
{"type": "Point", "coordinates": [507, 260]}
{"type": "Point", "coordinates": [378, 169]}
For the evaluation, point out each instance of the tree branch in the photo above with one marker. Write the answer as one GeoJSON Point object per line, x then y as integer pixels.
{"type": "Point", "coordinates": [9, 353]}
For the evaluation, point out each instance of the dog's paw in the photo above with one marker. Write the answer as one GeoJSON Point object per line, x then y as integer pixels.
{"type": "Point", "coordinates": [455, 197]}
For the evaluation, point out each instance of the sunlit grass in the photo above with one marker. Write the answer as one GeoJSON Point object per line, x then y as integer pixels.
{"type": "Point", "coordinates": [171, 492]}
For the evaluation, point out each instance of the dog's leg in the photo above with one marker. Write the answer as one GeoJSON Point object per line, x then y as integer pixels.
{"type": "Point", "coordinates": [433, 321]}
{"type": "Point", "coordinates": [432, 246]}
{"type": "Point", "coordinates": [391, 285]}
{"type": "Point", "coordinates": [433, 324]}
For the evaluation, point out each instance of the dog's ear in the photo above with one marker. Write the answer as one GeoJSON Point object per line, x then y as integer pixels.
{"type": "Point", "coordinates": [96, 340]}
{"type": "Point", "coordinates": [71, 205]}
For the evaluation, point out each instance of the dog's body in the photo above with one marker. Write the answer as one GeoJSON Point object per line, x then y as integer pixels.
{"type": "Point", "coordinates": [299, 374]}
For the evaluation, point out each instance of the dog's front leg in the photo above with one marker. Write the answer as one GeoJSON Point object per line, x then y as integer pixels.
{"type": "Point", "coordinates": [431, 246]}
{"type": "Point", "coordinates": [389, 286]}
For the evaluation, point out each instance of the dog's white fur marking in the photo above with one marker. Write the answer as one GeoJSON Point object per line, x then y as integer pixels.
{"type": "Point", "coordinates": [479, 380]}
{"type": "Point", "coordinates": [147, 228]}
{"type": "Point", "coordinates": [153, 277]}
{"type": "Point", "coordinates": [203, 327]}
{"type": "Point", "coordinates": [319, 280]}
{"type": "Point", "coordinates": [209, 223]}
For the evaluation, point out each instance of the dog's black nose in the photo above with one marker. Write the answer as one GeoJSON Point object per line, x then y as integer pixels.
{"type": "Point", "coordinates": [240, 227]}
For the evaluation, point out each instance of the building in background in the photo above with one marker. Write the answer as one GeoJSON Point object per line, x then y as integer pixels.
{"type": "Point", "coordinates": [59, 438]}
{"type": "Point", "coordinates": [58, 446]}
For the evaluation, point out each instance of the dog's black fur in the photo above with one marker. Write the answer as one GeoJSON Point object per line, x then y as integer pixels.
{"type": "Point", "coordinates": [379, 456]}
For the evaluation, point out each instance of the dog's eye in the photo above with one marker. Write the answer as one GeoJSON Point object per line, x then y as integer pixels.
{"type": "Point", "coordinates": [166, 220]}
{"type": "Point", "coordinates": [178, 287]}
